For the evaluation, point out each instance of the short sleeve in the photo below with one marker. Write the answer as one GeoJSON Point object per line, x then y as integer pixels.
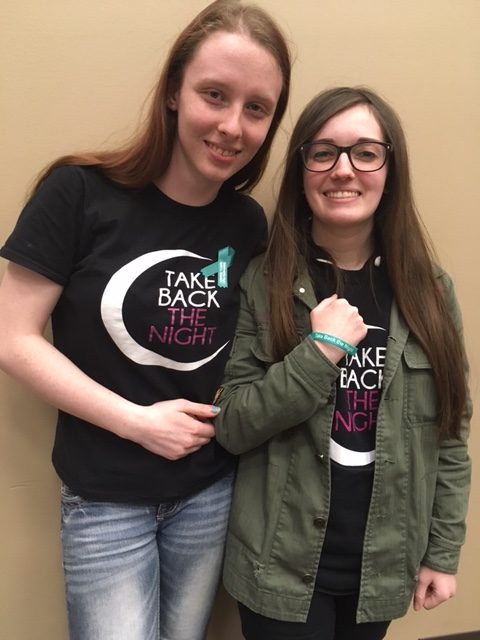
{"type": "Point", "coordinates": [46, 236]}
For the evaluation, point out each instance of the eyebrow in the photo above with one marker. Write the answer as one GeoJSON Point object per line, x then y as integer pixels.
{"type": "Point", "coordinates": [361, 139]}
{"type": "Point", "coordinates": [225, 85]}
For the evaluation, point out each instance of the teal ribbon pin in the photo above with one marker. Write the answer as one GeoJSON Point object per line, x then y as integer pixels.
{"type": "Point", "coordinates": [225, 257]}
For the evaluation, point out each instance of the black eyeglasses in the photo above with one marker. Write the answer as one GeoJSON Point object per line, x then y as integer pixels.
{"type": "Point", "coordinates": [363, 156]}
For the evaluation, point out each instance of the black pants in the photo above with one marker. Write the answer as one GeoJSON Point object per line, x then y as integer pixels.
{"type": "Point", "coordinates": [330, 618]}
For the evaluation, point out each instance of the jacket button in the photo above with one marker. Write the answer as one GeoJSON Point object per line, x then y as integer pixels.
{"type": "Point", "coordinates": [308, 578]}
{"type": "Point", "coordinates": [320, 456]}
{"type": "Point", "coordinates": [319, 521]}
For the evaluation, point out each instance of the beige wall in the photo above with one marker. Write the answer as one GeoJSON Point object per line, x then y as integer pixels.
{"type": "Point", "coordinates": [75, 75]}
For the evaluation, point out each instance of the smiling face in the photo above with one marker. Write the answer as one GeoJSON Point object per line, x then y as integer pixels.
{"type": "Point", "coordinates": [344, 198]}
{"type": "Point", "coordinates": [225, 106]}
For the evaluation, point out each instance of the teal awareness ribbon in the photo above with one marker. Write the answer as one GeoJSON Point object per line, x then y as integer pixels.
{"type": "Point", "coordinates": [225, 257]}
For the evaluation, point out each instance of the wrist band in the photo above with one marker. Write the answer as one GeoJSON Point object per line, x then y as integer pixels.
{"type": "Point", "coordinates": [334, 341]}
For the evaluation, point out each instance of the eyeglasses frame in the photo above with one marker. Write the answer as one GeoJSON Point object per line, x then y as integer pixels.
{"type": "Point", "coordinates": [387, 145]}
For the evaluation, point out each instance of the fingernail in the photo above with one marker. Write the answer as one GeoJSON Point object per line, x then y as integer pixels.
{"type": "Point", "coordinates": [215, 409]}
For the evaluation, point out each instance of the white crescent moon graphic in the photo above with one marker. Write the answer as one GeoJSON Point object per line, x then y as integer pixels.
{"type": "Point", "coordinates": [348, 458]}
{"type": "Point", "coordinates": [112, 315]}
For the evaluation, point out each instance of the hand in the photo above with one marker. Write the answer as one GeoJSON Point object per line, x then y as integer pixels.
{"type": "Point", "coordinates": [173, 428]}
{"type": "Point", "coordinates": [433, 588]}
{"type": "Point", "coordinates": [339, 318]}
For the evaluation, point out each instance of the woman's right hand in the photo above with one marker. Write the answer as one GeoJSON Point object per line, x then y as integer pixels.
{"type": "Point", "coordinates": [337, 317]}
{"type": "Point", "coordinates": [173, 428]}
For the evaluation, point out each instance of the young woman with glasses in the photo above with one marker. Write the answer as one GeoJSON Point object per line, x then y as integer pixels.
{"type": "Point", "coordinates": [136, 254]}
{"type": "Point", "coordinates": [345, 394]}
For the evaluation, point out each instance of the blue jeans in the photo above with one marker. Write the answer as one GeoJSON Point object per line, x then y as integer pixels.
{"type": "Point", "coordinates": [143, 572]}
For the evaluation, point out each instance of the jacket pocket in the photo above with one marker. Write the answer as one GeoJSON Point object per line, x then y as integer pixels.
{"type": "Point", "coordinates": [261, 346]}
{"type": "Point", "coordinates": [421, 395]}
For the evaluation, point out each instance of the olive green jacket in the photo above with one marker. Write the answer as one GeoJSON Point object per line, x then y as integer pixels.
{"type": "Point", "coordinates": [279, 417]}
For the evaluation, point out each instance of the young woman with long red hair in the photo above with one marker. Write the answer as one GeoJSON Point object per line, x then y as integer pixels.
{"type": "Point", "coordinates": [136, 254]}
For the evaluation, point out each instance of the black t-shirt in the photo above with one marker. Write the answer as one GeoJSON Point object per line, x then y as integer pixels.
{"type": "Point", "coordinates": [148, 310]}
{"type": "Point", "coordinates": [352, 443]}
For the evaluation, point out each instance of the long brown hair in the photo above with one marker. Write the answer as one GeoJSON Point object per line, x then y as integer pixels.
{"type": "Point", "coordinates": [147, 155]}
{"type": "Point", "coordinates": [402, 239]}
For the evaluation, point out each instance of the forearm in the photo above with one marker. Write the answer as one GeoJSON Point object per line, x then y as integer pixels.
{"type": "Point", "coordinates": [35, 362]}
{"type": "Point", "coordinates": [447, 529]}
{"type": "Point", "coordinates": [170, 428]}
{"type": "Point", "coordinates": [257, 406]}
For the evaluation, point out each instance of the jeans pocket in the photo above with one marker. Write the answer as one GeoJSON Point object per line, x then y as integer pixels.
{"type": "Point", "coordinates": [69, 497]}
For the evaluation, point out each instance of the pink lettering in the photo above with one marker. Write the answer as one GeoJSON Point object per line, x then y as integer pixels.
{"type": "Point", "coordinates": [355, 421]}
{"type": "Point", "coordinates": [182, 336]}
{"type": "Point", "coordinates": [366, 400]}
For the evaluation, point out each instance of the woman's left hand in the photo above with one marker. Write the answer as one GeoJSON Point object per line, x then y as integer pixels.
{"type": "Point", "coordinates": [433, 588]}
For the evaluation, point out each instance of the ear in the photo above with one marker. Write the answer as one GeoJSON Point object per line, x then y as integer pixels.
{"type": "Point", "coordinates": [172, 101]}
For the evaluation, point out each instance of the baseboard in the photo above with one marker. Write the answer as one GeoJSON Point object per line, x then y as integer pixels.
{"type": "Point", "coordinates": [470, 635]}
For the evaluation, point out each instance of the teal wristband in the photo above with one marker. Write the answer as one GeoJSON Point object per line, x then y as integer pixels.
{"type": "Point", "coordinates": [334, 341]}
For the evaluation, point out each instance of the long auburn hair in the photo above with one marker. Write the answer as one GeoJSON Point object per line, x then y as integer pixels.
{"type": "Point", "coordinates": [401, 238]}
{"type": "Point", "coordinates": [147, 154]}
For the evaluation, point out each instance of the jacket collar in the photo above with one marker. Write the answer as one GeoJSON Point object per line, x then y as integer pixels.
{"type": "Point", "coordinates": [303, 286]}
{"type": "Point", "coordinates": [303, 290]}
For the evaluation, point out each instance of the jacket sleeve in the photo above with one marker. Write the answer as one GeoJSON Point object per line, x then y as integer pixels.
{"type": "Point", "coordinates": [259, 398]}
{"type": "Point", "coordinates": [447, 531]}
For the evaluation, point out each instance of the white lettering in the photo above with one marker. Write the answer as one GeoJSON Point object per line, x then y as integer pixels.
{"type": "Point", "coordinates": [192, 299]}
